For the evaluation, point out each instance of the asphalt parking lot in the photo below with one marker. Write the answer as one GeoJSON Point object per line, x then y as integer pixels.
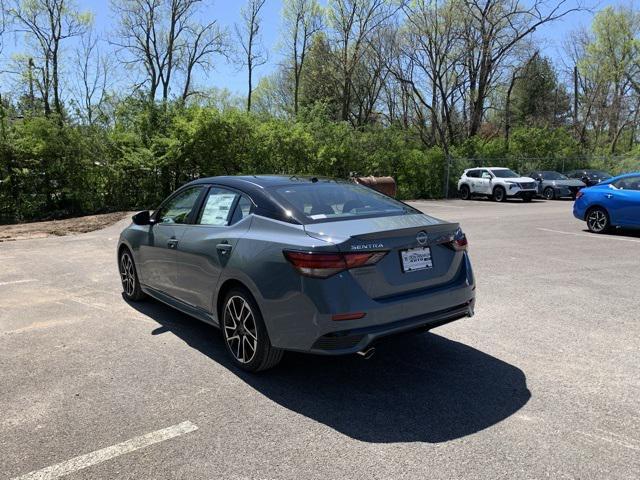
{"type": "Point", "coordinates": [543, 382]}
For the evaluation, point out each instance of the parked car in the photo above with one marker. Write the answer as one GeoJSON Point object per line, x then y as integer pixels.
{"type": "Point", "coordinates": [589, 177]}
{"type": "Point", "coordinates": [611, 203]}
{"type": "Point", "coordinates": [552, 185]}
{"type": "Point", "coordinates": [296, 263]}
{"type": "Point", "coordinates": [497, 183]}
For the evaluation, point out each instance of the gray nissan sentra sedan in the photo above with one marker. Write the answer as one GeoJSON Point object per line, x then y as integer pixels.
{"type": "Point", "coordinates": [297, 263]}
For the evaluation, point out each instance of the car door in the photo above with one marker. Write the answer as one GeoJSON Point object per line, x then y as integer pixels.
{"type": "Point", "coordinates": [208, 244]}
{"type": "Point", "coordinates": [157, 255]}
{"type": "Point", "coordinates": [472, 176]}
{"type": "Point", "coordinates": [625, 201]}
{"type": "Point", "coordinates": [484, 183]}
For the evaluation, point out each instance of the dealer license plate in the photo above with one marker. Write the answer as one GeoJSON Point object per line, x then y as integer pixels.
{"type": "Point", "coordinates": [416, 259]}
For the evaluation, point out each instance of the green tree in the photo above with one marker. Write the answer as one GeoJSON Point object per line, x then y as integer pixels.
{"type": "Point", "coordinates": [538, 99]}
{"type": "Point", "coordinates": [318, 84]}
{"type": "Point", "coordinates": [609, 68]}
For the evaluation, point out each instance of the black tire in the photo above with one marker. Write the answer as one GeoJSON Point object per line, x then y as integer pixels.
{"type": "Point", "coordinates": [598, 221]}
{"type": "Point", "coordinates": [129, 277]}
{"type": "Point", "coordinates": [499, 194]}
{"type": "Point", "coordinates": [549, 193]}
{"type": "Point", "coordinates": [251, 331]}
{"type": "Point", "coordinates": [465, 192]}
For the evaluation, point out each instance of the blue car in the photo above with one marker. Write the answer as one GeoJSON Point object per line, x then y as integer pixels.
{"type": "Point", "coordinates": [612, 203]}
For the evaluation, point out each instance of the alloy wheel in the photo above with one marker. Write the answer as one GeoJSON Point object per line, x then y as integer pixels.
{"type": "Point", "coordinates": [549, 193]}
{"type": "Point", "coordinates": [240, 331]}
{"type": "Point", "coordinates": [597, 221]}
{"type": "Point", "coordinates": [127, 274]}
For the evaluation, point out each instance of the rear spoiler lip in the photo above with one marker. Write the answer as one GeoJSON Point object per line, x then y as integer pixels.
{"type": "Point", "coordinates": [440, 228]}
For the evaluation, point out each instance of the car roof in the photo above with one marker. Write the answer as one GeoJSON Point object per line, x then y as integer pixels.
{"type": "Point", "coordinates": [487, 168]}
{"type": "Point", "coordinates": [261, 181]}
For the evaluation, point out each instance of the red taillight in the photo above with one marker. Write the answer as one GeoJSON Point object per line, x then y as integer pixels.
{"type": "Point", "coordinates": [459, 242]}
{"type": "Point", "coordinates": [579, 194]}
{"type": "Point", "coordinates": [323, 265]}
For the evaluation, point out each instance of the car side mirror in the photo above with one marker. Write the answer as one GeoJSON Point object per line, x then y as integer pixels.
{"type": "Point", "coordinates": [142, 218]}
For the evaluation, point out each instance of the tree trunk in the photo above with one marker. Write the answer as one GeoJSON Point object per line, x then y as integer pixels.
{"type": "Point", "coordinates": [250, 88]}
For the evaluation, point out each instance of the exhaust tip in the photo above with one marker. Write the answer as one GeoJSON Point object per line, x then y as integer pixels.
{"type": "Point", "coordinates": [367, 353]}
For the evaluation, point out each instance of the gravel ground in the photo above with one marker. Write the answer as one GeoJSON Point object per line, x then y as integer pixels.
{"type": "Point", "coordinates": [59, 228]}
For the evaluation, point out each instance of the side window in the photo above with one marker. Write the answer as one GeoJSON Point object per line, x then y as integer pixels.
{"type": "Point", "coordinates": [242, 210]}
{"type": "Point", "coordinates": [473, 173]}
{"type": "Point", "coordinates": [485, 174]}
{"type": "Point", "coordinates": [217, 207]}
{"type": "Point", "coordinates": [177, 210]}
{"type": "Point", "coordinates": [629, 183]}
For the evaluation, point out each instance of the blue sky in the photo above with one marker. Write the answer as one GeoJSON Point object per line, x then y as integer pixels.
{"type": "Point", "coordinates": [549, 38]}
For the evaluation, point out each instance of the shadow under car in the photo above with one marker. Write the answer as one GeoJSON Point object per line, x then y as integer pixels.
{"type": "Point", "coordinates": [417, 388]}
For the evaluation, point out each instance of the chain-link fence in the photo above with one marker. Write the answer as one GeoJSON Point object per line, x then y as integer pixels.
{"type": "Point", "coordinates": [524, 165]}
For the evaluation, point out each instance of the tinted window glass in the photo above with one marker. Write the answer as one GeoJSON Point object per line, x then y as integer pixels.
{"type": "Point", "coordinates": [553, 176]}
{"type": "Point", "coordinates": [318, 202]}
{"type": "Point", "coordinates": [473, 173]}
{"type": "Point", "coordinates": [217, 207]}
{"type": "Point", "coordinates": [629, 183]}
{"type": "Point", "coordinates": [177, 210]}
{"type": "Point", "coordinates": [598, 174]}
{"type": "Point", "coordinates": [242, 210]}
{"type": "Point", "coordinates": [505, 173]}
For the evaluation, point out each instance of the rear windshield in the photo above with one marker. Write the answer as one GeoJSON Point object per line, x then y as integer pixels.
{"type": "Point", "coordinates": [322, 202]}
{"type": "Point", "coordinates": [505, 173]}
{"type": "Point", "coordinates": [598, 174]}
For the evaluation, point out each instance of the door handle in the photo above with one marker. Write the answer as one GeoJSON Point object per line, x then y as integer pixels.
{"type": "Point", "coordinates": [172, 243]}
{"type": "Point", "coordinates": [224, 248]}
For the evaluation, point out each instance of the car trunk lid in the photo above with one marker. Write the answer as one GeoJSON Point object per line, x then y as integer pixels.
{"type": "Point", "coordinates": [406, 238]}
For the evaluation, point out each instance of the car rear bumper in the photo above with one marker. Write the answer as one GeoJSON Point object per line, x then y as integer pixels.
{"type": "Point", "coordinates": [357, 339]}
{"type": "Point", "coordinates": [307, 325]}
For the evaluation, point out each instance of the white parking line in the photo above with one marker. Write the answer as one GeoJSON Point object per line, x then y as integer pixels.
{"type": "Point", "coordinates": [99, 456]}
{"type": "Point", "coordinates": [13, 282]}
{"type": "Point", "coordinates": [588, 235]}
{"type": "Point", "coordinates": [610, 439]}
